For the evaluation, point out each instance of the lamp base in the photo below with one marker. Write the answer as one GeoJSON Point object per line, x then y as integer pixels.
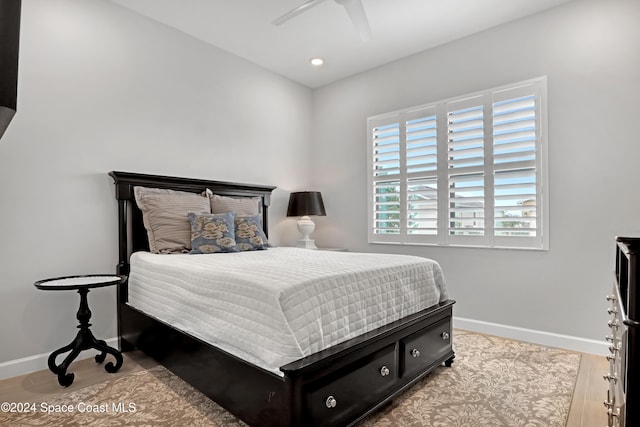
{"type": "Point", "coordinates": [307, 244]}
{"type": "Point", "coordinates": [306, 227]}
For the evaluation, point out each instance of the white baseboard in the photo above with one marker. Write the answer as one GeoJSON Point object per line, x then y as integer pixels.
{"type": "Point", "coordinates": [26, 365]}
{"type": "Point", "coordinates": [549, 339]}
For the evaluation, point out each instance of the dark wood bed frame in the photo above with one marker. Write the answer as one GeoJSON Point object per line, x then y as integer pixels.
{"type": "Point", "coordinates": [338, 386]}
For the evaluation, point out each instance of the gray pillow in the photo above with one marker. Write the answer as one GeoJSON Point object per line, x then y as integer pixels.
{"type": "Point", "coordinates": [165, 217]}
{"type": "Point", "coordinates": [244, 206]}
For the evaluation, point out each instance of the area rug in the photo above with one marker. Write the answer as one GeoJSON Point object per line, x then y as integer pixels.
{"type": "Point", "coordinates": [493, 382]}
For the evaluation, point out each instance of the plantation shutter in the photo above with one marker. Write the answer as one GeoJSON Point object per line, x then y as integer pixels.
{"type": "Point", "coordinates": [421, 129]}
{"type": "Point", "coordinates": [466, 170]}
{"type": "Point", "coordinates": [516, 147]}
{"type": "Point", "coordinates": [385, 157]}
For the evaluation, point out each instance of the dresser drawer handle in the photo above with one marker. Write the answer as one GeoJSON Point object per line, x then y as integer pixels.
{"type": "Point", "coordinates": [610, 338]}
{"type": "Point", "coordinates": [612, 310]}
{"type": "Point", "coordinates": [384, 371]}
{"type": "Point", "coordinates": [445, 335]}
{"type": "Point", "coordinates": [611, 357]}
{"type": "Point", "coordinates": [415, 353]}
{"type": "Point", "coordinates": [611, 298]}
{"type": "Point", "coordinates": [608, 403]}
{"type": "Point", "coordinates": [613, 323]}
{"type": "Point", "coordinates": [331, 402]}
{"type": "Point", "coordinates": [609, 377]}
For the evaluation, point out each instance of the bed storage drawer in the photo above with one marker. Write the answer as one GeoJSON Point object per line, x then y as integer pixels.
{"type": "Point", "coordinates": [420, 349]}
{"type": "Point", "coordinates": [349, 391]}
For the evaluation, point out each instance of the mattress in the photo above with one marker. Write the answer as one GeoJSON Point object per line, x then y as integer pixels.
{"type": "Point", "coordinates": [276, 306]}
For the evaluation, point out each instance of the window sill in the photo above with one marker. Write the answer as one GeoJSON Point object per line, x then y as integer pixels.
{"type": "Point", "coordinates": [435, 245]}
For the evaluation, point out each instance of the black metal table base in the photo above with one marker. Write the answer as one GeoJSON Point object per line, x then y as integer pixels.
{"type": "Point", "coordinates": [84, 341]}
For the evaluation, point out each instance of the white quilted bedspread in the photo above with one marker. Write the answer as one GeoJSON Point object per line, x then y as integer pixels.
{"type": "Point", "coordinates": [275, 306]}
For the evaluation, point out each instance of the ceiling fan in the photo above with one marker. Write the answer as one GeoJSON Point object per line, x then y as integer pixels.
{"type": "Point", "coordinates": [354, 8]}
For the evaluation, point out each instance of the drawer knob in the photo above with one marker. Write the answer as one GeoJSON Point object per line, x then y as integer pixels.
{"type": "Point", "coordinates": [384, 371]}
{"type": "Point", "coordinates": [445, 335]}
{"type": "Point", "coordinates": [613, 412]}
{"type": "Point", "coordinates": [611, 357]}
{"type": "Point", "coordinates": [610, 338]}
{"type": "Point", "coordinates": [613, 310]}
{"type": "Point", "coordinates": [609, 377]}
{"type": "Point", "coordinates": [331, 402]}
{"type": "Point", "coordinates": [613, 324]}
{"type": "Point", "coordinates": [611, 298]}
{"type": "Point", "coordinates": [415, 353]}
{"type": "Point", "coordinates": [614, 348]}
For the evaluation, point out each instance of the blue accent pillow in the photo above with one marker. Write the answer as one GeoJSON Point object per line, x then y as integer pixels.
{"type": "Point", "coordinates": [212, 233]}
{"type": "Point", "coordinates": [249, 234]}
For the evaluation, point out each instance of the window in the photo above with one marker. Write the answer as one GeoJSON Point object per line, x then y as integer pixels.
{"type": "Point", "coordinates": [467, 171]}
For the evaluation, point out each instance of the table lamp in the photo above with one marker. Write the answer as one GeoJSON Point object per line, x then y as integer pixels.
{"type": "Point", "coordinates": [304, 204]}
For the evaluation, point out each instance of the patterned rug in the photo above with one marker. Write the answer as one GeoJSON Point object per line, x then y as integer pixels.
{"type": "Point", "coordinates": [493, 382]}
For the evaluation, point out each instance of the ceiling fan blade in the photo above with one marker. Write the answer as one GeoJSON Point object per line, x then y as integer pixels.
{"type": "Point", "coordinates": [358, 16]}
{"type": "Point", "coordinates": [296, 11]}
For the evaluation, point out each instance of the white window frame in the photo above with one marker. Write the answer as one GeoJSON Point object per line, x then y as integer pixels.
{"type": "Point", "coordinates": [443, 235]}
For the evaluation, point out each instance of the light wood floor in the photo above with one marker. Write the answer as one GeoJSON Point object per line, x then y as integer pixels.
{"type": "Point", "coordinates": [587, 409]}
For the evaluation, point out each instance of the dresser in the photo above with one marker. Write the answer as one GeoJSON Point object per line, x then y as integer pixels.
{"type": "Point", "coordinates": [623, 395]}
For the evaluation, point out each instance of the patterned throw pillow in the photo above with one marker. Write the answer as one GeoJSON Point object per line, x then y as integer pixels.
{"type": "Point", "coordinates": [249, 234]}
{"type": "Point", "coordinates": [211, 233]}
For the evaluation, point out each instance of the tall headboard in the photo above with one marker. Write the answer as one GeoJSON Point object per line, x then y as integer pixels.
{"type": "Point", "coordinates": [132, 235]}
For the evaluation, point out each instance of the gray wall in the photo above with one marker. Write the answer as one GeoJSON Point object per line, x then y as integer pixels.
{"type": "Point", "coordinates": [590, 51]}
{"type": "Point", "coordinates": [103, 89]}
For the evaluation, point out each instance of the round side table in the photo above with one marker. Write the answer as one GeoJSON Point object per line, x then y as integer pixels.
{"type": "Point", "coordinates": [84, 339]}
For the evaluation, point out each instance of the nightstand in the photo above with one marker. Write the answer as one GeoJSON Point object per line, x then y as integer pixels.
{"type": "Point", "coordinates": [84, 339]}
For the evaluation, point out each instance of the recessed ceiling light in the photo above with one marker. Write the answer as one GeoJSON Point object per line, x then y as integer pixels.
{"type": "Point", "coordinates": [316, 62]}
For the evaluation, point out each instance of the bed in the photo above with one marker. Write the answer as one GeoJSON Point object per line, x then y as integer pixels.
{"type": "Point", "coordinates": [335, 383]}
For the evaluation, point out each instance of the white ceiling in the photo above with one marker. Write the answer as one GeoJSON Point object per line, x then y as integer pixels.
{"type": "Point", "coordinates": [399, 28]}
